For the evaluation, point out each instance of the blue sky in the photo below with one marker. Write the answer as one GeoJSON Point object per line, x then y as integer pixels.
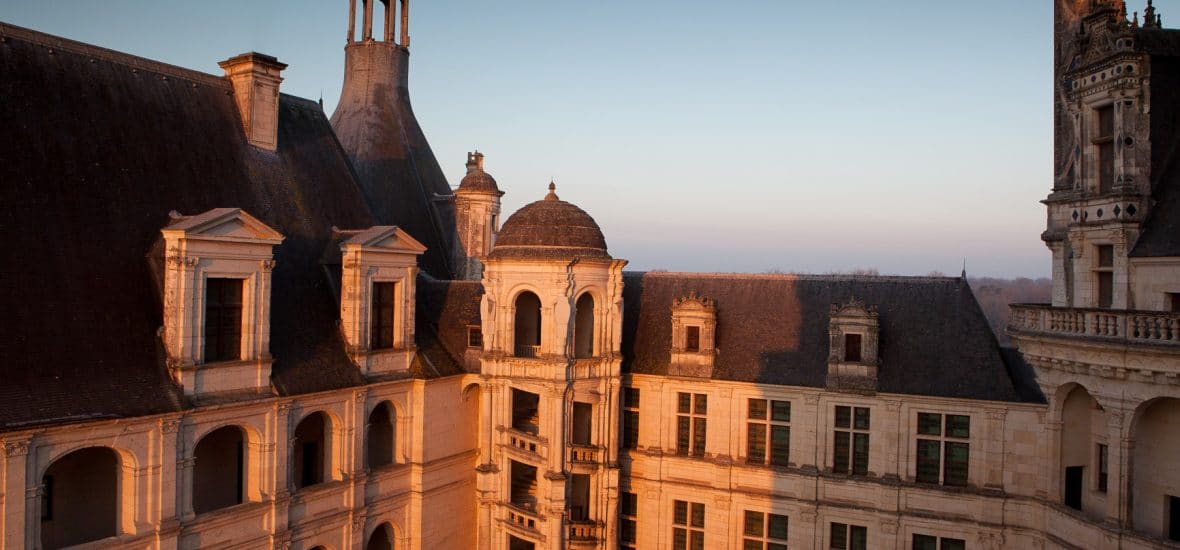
{"type": "Point", "coordinates": [702, 136]}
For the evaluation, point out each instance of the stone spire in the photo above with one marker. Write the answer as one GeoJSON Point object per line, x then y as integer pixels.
{"type": "Point", "coordinates": [1150, 19]}
{"type": "Point", "coordinates": [396, 169]}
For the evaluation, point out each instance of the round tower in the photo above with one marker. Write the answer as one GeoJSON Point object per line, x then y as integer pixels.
{"type": "Point", "coordinates": [477, 219]}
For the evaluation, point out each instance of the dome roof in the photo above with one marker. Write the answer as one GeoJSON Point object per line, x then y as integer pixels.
{"type": "Point", "coordinates": [476, 180]}
{"type": "Point", "coordinates": [550, 228]}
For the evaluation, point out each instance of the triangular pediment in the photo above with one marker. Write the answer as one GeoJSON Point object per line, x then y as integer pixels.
{"type": "Point", "coordinates": [386, 238]}
{"type": "Point", "coordinates": [223, 224]}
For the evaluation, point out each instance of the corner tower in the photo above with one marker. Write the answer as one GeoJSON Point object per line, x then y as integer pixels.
{"type": "Point", "coordinates": [396, 169]}
{"type": "Point", "coordinates": [477, 219]}
{"type": "Point", "coordinates": [552, 323]}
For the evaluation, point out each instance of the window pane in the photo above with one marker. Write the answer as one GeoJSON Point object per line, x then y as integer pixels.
{"type": "Point", "coordinates": [684, 403]}
{"type": "Point", "coordinates": [698, 436]}
{"type": "Point", "coordinates": [780, 445]}
{"type": "Point", "coordinates": [930, 424]}
{"type": "Point", "coordinates": [680, 513]}
{"type": "Point", "coordinates": [679, 539]}
{"type": "Point", "coordinates": [692, 338]}
{"type": "Point", "coordinates": [861, 422]}
{"type": "Point", "coordinates": [859, 538]}
{"type": "Point", "coordinates": [958, 425]}
{"type": "Point", "coordinates": [753, 524]}
{"type": "Point", "coordinates": [629, 504]}
{"type": "Point", "coordinates": [840, 460]}
{"type": "Point", "coordinates": [852, 348]}
{"type": "Point", "coordinates": [925, 542]}
{"type": "Point", "coordinates": [954, 544]}
{"type": "Point", "coordinates": [839, 536]}
{"type": "Point", "coordinates": [698, 515]}
{"type": "Point", "coordinates": [748, 544]}
{"type": "Point", "coordinates": [843, 417]}
{"type": "Point", "coordinates": [698, 540]}
{"type": "Point", "coordinates": [774, 546]}
{"type": "Point", "coordinates": [630, 433]}
{"type": "Point", "coordinates": [627, 530]}
{"type": "Point", "coordinates": [756, 443]}
{"type": "Point", "coordinates": [777, 527]}
{"type": "Point", "coordinates": [860, 454]}
{"type": "Point", "coordinates": [956, 463]}
{"type": "Point", "coordinates": [1105, 289]}
{"type": "Point", "coordinates": [631, 398]}
{"type": "Point", "coordinates": [928, 460]}
{"type": "Point", "coordinates": [757, 409]}
{"type": "Point", "coordinates": [780, 411]}
{"type": "Point", "coordinates": [682, 430]}
{"type": "Point", "coordinates": [700, 404]}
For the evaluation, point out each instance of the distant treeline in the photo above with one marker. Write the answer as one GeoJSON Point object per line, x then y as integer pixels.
{"type": "Point", "coordinates": [994, 296]}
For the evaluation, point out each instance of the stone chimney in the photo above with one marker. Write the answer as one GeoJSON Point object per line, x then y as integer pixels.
{"type": "Point", "coordinates": [474, 162]}
{"type": "Point", "coordinates": [256, 81]}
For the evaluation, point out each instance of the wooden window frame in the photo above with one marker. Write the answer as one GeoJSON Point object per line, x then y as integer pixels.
{"type": "Point", "coordinates": [940, 438]}
{"type": "Point", "coordinates": [381, 335]}
{"type": "Point", "coordinates": [759, 533]}
{"type": "Point", "coordinates": [843, 536]}
{"type": "Point", "coordinates": [768, 431]}
{"type": "Point", "coordinates": [223, 337]}
{"type": "Point", "coordinates": [629, 430]}
{"type": "Point", "coordinates": [849, 436]}
{"type": "Point", "coordinates": [688, 525]}
{"type": "Point", "coordinates": [692, 411]}
{"type": "Point", "coordinates": [628, 520]}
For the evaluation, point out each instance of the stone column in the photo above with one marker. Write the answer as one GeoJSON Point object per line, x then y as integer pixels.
{"type": "Point", "coordinates": [889, 430]}
{"type": "Point", "coordinates": [369, 19]}
{"type": "Point", "coordinates": [169, 493]}
{"type": "Point", "coordinates": [18, 532]}
{"type": "Point", "coordinates": [279, 463]}
{"type": "Point", "coordinates": [1054, 473]}
{"type": "Point", "coordinates": [1120, 450]}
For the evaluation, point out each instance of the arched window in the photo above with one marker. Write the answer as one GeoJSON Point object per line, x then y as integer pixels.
{"type": "Point", "coordinates": [381, 435]}
{"type": "Point", "coordinates": [528, 325]}
{"type": "Point", "coordinates": [1083, 435]}
{"type": "Point", "coordinates": [381, 539]}
{"type": "Point", "coordinates": [219, 470]}
{"type": "Point", "coordinates": [584, 327]}
{"type": "Point", "coordinates": [1155, 480]}
{"type": "Point", "coordinates": [310, 451]}
{"type": "Point", "coordinates": [81, 498]}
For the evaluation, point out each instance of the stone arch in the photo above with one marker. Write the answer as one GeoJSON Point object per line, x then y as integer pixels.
{"type": "Point", "coordinates": [222, 461]}
{"type": "Point", "coordinates": [585, 341]}
{"type": "Point", "coordinates": [382, 538]}
{"type": "Point", "coordinates": [1083, 430]}
{"type": "Point", "coordinates": [1155, 495]}
{"type": "Point", "coordinates": [312, 450]}
{"type": "Point", "coordinates": [472, 405]}
{"type": "Point", "coordinates": [526, 324]}
{"type": "Point", "coordinates": [381, 435]}
{"type": "Point", "coordinates": [83, 497]}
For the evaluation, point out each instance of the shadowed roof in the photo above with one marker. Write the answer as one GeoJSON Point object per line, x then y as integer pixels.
{"type": "Point", "coordinates": [773, 329]}
{"type": "Point", "coordinates": [552, 229]}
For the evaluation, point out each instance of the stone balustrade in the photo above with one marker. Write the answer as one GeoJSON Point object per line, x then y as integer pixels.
{"type": "Point", "coordinates": [584, 454]}
{"type": "Point", "coordinates": [528, 352]}
{"type": "Point", "coordinates": [586, 532]}
{"type": "Point", "coordinates": [1131, 327]}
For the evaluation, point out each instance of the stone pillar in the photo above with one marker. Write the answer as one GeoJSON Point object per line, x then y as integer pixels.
{"type": "Point", "coordinates": [279, 462]}
{"type": "Point", "coordinates": [804, 534]}
{"type": "Point", "coordinates": [1054, 473]}
{"type": "Point", "coordinates": [1120, 452]}
{"type": "Point", "coordinates": [405, 40]}
{"type": "Point", "coordinates": [887, 539]}
{"type": "Point", "coordinates": [18, 533]}
{"type": "Point", "coordinates": [888, 430]}
{"type": "Point", "coordinates": [991, 460]}
{"type": "Point", "coordinates": [351, 20]}
{"type": "Point", "coordinates": [369, 19]}
{"type": "Point", "coordinates": [169, 493]}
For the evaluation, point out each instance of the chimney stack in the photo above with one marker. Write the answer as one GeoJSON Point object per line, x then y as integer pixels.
{"type": "Point", "coordinates": [474, 162]}
{"type": "Point", "coordinates": [256, 81]}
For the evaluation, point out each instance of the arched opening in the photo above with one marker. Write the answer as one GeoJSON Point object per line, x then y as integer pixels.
{"type": "Point", "coordinates": [528, 325]}
{"type": "Point", "coordinates": [311, 451]}
{"type": "Point", "coordinates": [380, 7]}
{"type": "Point", "coordinates": [219, 470]}
{"type": "Point", "coordinates": [381, 435]}
{"type": "Point", "coordinates": [381, 539]}
{"type": "Point", "coordinates": [584, 327]}
{"type": "Point", "coordinates": [1084, 453]}
{"type": "Point", "coordinates": [81, 498]}
{"type": "Point", "coordinates": [471, 406]}
{"type": "Point", "coordinates": [1155, 496]}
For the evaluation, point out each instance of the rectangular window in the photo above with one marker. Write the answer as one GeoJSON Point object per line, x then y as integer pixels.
{"type": "Point", "coordinates": [761, 531]}
{"type": "Point", "coordinates": [943, 448]}
{"type": "Point", "coordinates": [628, 516]}
{"type": "Point", "coordinates": [851, 453]}
{"type": "Point", "coordinates": [692, 338]}
{"type": "Point", "coordinates": [474, 337]}
{"type": "Point", "coordinates": [1104, 148]}
{"type": "Point", "coordinates": [223, 319]}
{"type": "Point", "coordinates": [1173, 518]}
{"type": "Point", "coordinates": [1172, 302]}
{"type": "Point", "coordinates": [1104, 275]}
{"type": "Point", "coordinates": [381, 324]}
{"type": "Point", "coordinates": [1103, 466]}
{"type": "Point", "coordinates": [688, 521]}
{"type": "Point", "coordinates": [852, 348]}
{"type": "Point", "coordinates": [692, 409]}
{"type": "Point", "coordinates": [630, 430]}
{"type": "Point", "coordinates": [927, 542]}
{"type": "Point", "coordinates": [848, 537]}
{"type": "Point", "coordinates": [768, 418]}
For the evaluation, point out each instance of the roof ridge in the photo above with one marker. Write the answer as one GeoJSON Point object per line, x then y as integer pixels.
{"type": "Point", "coordinates": [107, 54]}
{"type": "Point", "coordinates": [799, 276]}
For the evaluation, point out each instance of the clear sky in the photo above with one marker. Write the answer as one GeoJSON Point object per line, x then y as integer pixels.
{"type": "Point", "coordinates": [745, 135]}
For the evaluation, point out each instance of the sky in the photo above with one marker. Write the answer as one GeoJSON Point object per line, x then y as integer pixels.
{"type": "Point", "coordinates": [747, 136]}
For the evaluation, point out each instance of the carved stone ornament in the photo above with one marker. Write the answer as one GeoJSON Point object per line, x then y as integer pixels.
{"type": "Point", "coordinates": [170, 425]}
{"type": "Point", "coordinates": [16, 448]}
{"type": "Point", "coordinates": [694, 301]}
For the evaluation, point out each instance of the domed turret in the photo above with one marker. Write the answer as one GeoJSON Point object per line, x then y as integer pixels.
{"type": "Point", "coordinates": [551, 229]}
{"type": "Point", "coordinates": [476, 180]}
{"type": "Point", "coordinates": [477, 218]}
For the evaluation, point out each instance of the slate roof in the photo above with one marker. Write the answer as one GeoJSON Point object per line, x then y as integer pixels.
{"type": "Point", "coordinates": [773, 329]}
{"type": "Point", "coordinates": [445, 310]}
{"type": "Point", "coordinates": [96, 148]}
{"type": "Point", "coordinates": [551, 229]}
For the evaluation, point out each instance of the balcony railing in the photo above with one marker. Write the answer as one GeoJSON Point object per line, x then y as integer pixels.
{"type": "Point", "coordinates": [584, 531]}
{"type": "Point", "coordinates": [583, 454]}
{"type": "Point", "coordinates": [520, 515]}
{"type": "Point", "coordinates": [528, 352]}
{"type": "Point", "coordinates": [525, 441]}
{"type": "Point", "coordinates": [1134, 327]}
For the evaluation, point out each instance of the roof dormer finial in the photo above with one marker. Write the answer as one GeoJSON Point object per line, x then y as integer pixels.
{"type": "Point", "coordinates": [552, 196]}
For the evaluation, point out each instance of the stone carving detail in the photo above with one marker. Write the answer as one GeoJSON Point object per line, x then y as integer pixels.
{"type": "Point", "coordinates": [16, 448]}
{"type": "Point", "coordinates": [694, 333]}
{"type": "Point", "coordinates": [852, 353]}
{"type": "Point", "coordinates": [170, 425]}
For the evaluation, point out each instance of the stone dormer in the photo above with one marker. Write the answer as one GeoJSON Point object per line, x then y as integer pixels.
{"type": "Point", "coordinates": [694, 330]}
{"type": "Point", "coordinates": [256, 79]}
{"type": "Point", "coordinates": [217, 300]}
{"type": "Point", "coordinates": [379, 270]}
{"type": "Point", "coordinates": [852, 358]}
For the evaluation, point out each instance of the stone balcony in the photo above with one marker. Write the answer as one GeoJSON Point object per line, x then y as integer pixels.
{"type": "Point", "coordinates": [527, 352]}
{"type": "Point", "coordinates": [521, 518]}
{"type": "Point", "coordinates": [535, 446]}
{"type": "Point", "coordinates": [584, 454]}
{"type": "Point", "coordinates": [584, 534]}
{"type": "Point", "coordinates": [1137, 328]}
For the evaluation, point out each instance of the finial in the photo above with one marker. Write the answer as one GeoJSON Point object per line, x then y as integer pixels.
{"type": "Point", "coordinates": [1135, 21]}
{"type": "Point", "coordinates": [552, 196]}
{"type": "Point", "coordinates": [963, 275]}
{"type": "Point", "coordinates": [1150, 19]}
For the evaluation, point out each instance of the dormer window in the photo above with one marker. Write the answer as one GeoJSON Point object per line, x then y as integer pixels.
{"type": "Point", "coordinates": [694, 326]}
{"type": "Point", "coordinates": [379, 268]}
{"type": "Point", "coordinates": [217, 300]}
{"type": "Point", "coordinates": [852, 359]}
